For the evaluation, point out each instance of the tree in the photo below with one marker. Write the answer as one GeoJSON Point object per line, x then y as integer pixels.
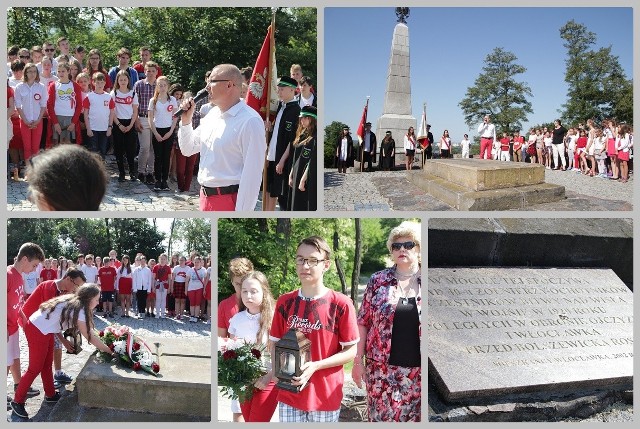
{"type": "Point", "coordinates": [497, 92]}
{"type": "Point", "coordinates": [195, 234]}
{"type": "Point", "coordinates": [597, 85]}
{"type": "Point", "coordinates": [186, 41]}
{"type": "Point", "coordinates": [331, 134]}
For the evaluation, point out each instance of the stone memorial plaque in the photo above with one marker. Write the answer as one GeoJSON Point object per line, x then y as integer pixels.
{"type": "Point", "coordinates": [494, 331]}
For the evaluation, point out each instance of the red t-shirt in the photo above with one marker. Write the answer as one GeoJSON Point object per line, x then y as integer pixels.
{"type": "Point", "coordinates": [504, 143]}
{"type": "Point", "coordinates": [162, 273]}
{"type": "Point", "coordinates": [117, 264]}
{"type": "Point", "coordinates": [107, 276]}
{"type": "Point", "coordinates": [44, 292]}
{"type": "Point", "coordinates": [15, 293]}
{"type": "Point", "coordinates": [48, 274]}
{"type": "Point", "coordinates": [226, 310]}
{"type": "Point", "coordinates": [518, 142]}
{"type": "Point", "coordinates": [581, 142]}
{"type": "Point", "coordinates": [329, 322]}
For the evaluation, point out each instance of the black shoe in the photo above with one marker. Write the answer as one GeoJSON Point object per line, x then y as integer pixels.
{"type": "Point", "coordinates": [141, 177]}
{"type": "Point", "coordinates": [150, 179]}
{"type": "Point", "coordinates": [133, 177]}
{"type": "Point", "coordinates": [63, 378]}
{"type": "Point", "coordinates": [158, 186]}
{"type": "Point", "coordinates": [52, 399]}
{"type": "Point", "coordinates": [19, 410]}
{"type": "Point", "coordinates": [165, 187]}
{"type": "Point", "coordinates": [121, 177]}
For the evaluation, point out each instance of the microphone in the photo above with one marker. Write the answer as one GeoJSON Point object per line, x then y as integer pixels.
{"type": "Point", "coordinates": [199, 96]}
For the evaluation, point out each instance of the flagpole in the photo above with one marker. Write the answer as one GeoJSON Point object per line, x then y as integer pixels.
{"type": "Point", "coordinates": [269, 80]}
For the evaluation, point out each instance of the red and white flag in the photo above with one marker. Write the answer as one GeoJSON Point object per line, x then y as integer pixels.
{"type": "Point", "coordinates": [264, 79]}
{"type": "Point", "coordinates": [363, 121]}
{"type": "Point", "coordinates": [423, 132]}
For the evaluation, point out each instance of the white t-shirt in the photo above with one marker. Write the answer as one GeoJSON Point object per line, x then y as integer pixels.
{"type": "Point", "coordinates": [90, 273]}
{"type": "Point", "coordinates": [197, 283]}
{"type": "Point", "coordinates": [124, 102]}
{"type": "Point", "coordinates": [163, 112]}
{"type": "Point", "coordinates": [52, 324]}
{"type": "Point", "coordinates": [99, 106]}
{"type": "Point", "coordinates": [246, 326]}
{"type": "Point", "coordinates": [30, 281]}
{"type": "Point", "coordinates": [65, 104]}
{"type": "Point", "coordinates": [465, 144]}
{"type": "Point", "coordinates": [181, 273]}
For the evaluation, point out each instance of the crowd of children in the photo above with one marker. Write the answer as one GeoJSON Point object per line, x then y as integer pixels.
{"type": "Point", "coordinates": [137, 287]}
{"type": "Point", "coordinates": [599, 150]}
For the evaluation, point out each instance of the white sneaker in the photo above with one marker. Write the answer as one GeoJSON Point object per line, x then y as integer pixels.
{"type": "Point", "coordinates": [157, 316]}
{"type": "Point", "coordinates": [208, 322]}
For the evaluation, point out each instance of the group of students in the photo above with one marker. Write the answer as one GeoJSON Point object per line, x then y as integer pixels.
{"type": "Point", "coordinates": [57, 101]}
{"type": "Point", "coordinates": [142, 288]}
{"type": "Point", "coordinates": [251, 313]}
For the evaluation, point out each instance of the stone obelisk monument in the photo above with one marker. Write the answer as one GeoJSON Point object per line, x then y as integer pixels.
{"type": "Point", "coordinates": [396, 113]}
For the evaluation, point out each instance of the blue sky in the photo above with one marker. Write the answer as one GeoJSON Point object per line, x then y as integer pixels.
{"type": "Point", "coordinates": [448, 47]}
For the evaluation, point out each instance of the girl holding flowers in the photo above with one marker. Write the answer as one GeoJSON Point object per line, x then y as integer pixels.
{"type": "Point", "coordinates": [252, 324]}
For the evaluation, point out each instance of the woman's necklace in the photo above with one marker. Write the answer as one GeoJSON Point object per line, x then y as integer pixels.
{"type": "Point", "coordinates": [405, 291]}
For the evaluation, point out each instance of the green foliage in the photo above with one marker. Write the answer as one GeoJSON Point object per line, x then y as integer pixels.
{"type": "Point", "coordinates": [271, 245]}
{"type": "Point", "coordinates": [598, 87]}
{"type": "Point", "coordinates": [331, 134]}
{"type": "Point", "coordinates": [497, 92]}
{"type": "Point", "coordinates": [195, 234]}
{"type": "Point", "coordinates": [68, 237]}
{"type": "Point", "coordinates": [185, 41]}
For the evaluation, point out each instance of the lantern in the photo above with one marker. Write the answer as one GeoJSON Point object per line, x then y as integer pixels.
{"type": "Point", "coordinates": [291, 352]}
{"type": "Point", "coordinates": [74, 336]}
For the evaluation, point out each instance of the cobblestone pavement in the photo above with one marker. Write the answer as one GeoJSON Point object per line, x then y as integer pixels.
{"type": "Point", "coordinates": [123, 196]}
{"type": "Point", "coordinates": [73, 364]}
{"type": "Point", "coordinates": [385, 191]}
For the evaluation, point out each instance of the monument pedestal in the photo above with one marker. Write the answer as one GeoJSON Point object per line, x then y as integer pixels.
{"type": "Point", "coordinates": [478, 184]}
{"type": "Point", "coordinates": [183, 387]}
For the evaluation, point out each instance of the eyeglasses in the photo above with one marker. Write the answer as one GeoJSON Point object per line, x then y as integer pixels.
{"type": "Point", "coordinates": [50, 50]}
{"type": "Point", "coordinates": [212, 81]}
{"type": "Point", "coordinates": [407, 245]}
{"type": "Point", "coordinates": [74, 283]}
{"type": "Point", "coordinates": [312, 262]}
{"type": "Point", "coordinates": [25, 56]}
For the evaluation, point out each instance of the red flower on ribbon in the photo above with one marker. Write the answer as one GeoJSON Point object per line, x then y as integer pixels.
{"type": "Point", "coordinates": [155, 367]}
{"type": "Point", "coordinates": [111, 346]}
{"type": "Point", "coordinates": [101, 333]}
{"type": "Point", "coordinates": [136, 366]}
{"type": "Point", "coordinates": [256, 353]}
{"type": "Point", "coordinates": [229, 354]}
{"type": "Point", "coordinates": [136, 346]}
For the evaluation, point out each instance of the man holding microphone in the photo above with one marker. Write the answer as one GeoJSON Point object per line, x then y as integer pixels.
{"type": "Point", "coordinates": [487, 133]}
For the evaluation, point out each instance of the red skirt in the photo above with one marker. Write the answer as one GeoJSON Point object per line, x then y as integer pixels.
{"type": "Point", "coordinates": [178, 290]}
{"type": "Point", "coordinates": [125, 285]}
{"type": "Point", "coordinates": [611, 147]}
{"type": "Point", "coordinates": [207, 291]}
{"type": "Point", "coordinates": [623, 156]}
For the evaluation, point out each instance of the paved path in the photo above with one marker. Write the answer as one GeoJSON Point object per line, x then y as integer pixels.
{"type": "Point", "coordinates": [384, 191]}
{"type": "Point", "coordinates": [73, 364]}
{"type": "Point", "coordinates": [123, 196]}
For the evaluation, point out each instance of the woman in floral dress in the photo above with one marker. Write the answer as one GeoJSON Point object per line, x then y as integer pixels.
{"type": "Point", "coordinates": [388, 355]}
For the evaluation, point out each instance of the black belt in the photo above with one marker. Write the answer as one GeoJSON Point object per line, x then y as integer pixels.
{"type": "Point", "coordinates": [223, 190]}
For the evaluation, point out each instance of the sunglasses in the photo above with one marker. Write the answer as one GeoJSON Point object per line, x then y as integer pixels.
{"type": "Point", "coordinates": [49, 50]}
{"type": "Point", "coordinates": [407, 245]}
{"type": "Point", "coordinates": [25, 56]}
